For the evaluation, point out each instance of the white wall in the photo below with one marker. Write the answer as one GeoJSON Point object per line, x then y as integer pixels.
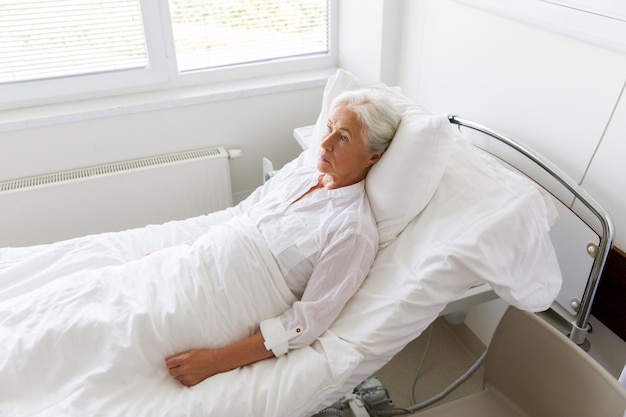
{"type": "Point", "coordinates": [369, 38]}
{"type": "Point", "coordinates": [556, 93]}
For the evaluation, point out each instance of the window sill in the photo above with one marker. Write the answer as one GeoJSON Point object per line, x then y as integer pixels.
{"type": "Point", "coordinates": [52, 114]}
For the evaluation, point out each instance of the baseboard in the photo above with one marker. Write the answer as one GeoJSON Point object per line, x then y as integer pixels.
{"type": "Point", "coordinates": [467, 337]}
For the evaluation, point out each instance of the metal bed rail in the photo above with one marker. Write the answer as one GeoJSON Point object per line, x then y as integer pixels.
{"type": "Point", "coordinates": [605, 234]}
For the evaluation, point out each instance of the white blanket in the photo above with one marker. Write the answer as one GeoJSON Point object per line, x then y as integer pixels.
{"type": "Point", "coordinates": [94, 342]}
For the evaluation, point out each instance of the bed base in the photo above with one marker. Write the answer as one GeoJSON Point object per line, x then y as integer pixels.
{"type": "Point", "coordinates": [534, 370]}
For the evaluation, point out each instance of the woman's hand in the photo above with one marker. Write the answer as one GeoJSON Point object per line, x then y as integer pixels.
{"type": "Point", "coordinates": [193, 366]}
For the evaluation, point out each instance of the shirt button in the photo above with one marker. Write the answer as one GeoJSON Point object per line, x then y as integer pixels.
{"type": "Point", "coordinates": [298, 329]}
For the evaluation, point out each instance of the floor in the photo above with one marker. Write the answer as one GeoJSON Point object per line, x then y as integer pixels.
{"type": "Point", "coordinates": [452, 350]}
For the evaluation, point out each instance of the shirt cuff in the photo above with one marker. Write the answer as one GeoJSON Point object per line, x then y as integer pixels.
{"type": "Point", "coordinates": [276, 337]}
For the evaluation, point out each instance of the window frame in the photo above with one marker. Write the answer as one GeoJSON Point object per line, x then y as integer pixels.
{"type": "Point", "coordinates": [162, 72]}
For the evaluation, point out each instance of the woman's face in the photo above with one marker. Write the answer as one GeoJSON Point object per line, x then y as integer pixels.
{"type": "Point", "coordinates": [344, 156]}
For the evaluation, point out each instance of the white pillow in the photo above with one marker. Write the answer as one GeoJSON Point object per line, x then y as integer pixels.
{"type": "Point", "coordinates": [402, 183]}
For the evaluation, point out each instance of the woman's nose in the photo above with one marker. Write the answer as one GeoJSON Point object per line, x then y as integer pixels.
{"type": "Point", "coordinates": [327, 141]}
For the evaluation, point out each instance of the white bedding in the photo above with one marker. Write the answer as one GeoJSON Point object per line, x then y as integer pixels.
{"type": "Point", "coordinates": [483, 224]}
{"type": "Point", "coordinates": [108, 330]}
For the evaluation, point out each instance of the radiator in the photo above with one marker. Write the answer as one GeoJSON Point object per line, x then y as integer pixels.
{"type": "Point", "coordinates": [113, 197]}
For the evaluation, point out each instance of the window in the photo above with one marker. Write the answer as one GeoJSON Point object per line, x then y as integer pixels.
{"type": "Point", "coordinates": [76, 47]}
{"type": "Point", "coordinates": [219, 33]}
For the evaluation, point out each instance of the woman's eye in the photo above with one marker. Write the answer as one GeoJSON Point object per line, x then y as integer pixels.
{"type": "Point", "coordinates": [343, 138]}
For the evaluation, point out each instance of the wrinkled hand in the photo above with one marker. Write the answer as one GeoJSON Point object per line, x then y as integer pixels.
{"type": "Point", "coordinates": [192, 366]}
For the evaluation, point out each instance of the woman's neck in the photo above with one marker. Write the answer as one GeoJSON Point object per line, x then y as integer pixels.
{"type": "Point", "coordinates": [331, 183]}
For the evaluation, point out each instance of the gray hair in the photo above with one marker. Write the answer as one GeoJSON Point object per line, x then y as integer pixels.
{"type": "Point", "coordinates": [378, 115]}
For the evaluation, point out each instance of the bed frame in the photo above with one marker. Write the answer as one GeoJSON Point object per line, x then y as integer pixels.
{"type": "Point", "coordinates": [570, 194]}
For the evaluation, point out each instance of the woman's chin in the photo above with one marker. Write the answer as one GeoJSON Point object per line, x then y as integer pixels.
{"type": "Point", "coordinates": [322, 166]}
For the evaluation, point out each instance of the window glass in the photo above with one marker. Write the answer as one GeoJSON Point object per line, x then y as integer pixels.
{"type": "Point", "coordinates": [61, 38]}
{"type": "Point", "coordinates": [217, 33]}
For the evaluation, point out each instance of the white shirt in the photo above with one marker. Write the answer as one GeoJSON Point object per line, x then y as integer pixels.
{"type": "Point", "coordinates": [324, 245]}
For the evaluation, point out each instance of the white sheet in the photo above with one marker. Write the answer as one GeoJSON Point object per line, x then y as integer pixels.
{"type": "Point", "coordinates": [93, 342]}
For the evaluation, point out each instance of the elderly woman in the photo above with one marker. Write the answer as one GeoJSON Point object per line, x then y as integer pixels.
{"type": "Point", "coordinates": [321, 231]}
{"type": "Point", "coordinates": [253, 281]}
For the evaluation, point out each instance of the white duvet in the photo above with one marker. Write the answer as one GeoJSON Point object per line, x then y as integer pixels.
{"type": "Point", "coordinates": [94, 342]}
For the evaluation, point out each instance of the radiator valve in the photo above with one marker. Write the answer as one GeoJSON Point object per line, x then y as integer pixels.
{"type": "Point", "coordinates": [234, 153]}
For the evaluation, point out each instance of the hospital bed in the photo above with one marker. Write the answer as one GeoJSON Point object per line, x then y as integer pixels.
{"type": "Point", "coordinates": [456, 227]}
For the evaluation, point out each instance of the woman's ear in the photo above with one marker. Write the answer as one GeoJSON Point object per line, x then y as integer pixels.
{"type": "Point", "coordinates": [375, 158]}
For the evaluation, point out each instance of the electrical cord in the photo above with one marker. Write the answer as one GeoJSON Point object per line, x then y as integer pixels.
{"type": "Point", "coordinates": [421, 363]}
{"type": "Point", "coordinates": [438, 397]}
{"type": "Point", "coordinates": [337, 410]}
{"type": "Point", "coordinates": [329, 412]}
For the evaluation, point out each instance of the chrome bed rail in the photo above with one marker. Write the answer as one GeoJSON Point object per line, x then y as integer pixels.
{"type": "Point", "coordinates": [605, 231]}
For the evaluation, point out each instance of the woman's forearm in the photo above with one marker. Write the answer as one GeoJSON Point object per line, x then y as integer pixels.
{"type": "Point", "coordinates": [242, 353]}
{"type": "Point", "coordinates": [194, 366]}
